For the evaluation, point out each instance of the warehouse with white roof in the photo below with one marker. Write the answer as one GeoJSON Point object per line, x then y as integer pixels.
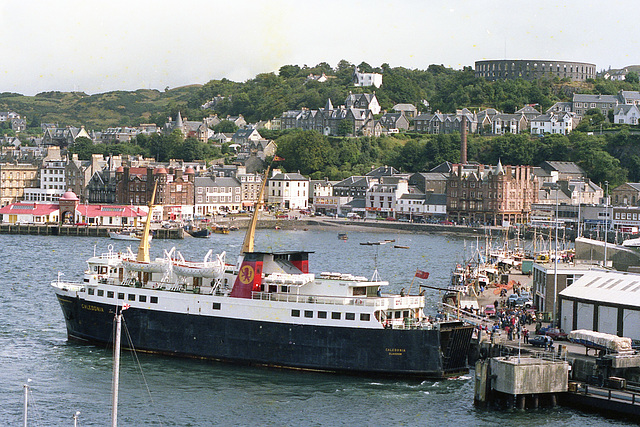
{"type": "Point", "coordinates": [603, 301]}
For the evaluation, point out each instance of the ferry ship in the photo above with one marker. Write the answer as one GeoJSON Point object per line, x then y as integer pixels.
{"type": "Point", "coordinates": [266, 309]}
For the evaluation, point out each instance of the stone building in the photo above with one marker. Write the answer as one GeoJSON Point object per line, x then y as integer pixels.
{"type": "Point", "coordinates": [135, 185]}
{"type": "Point", "coordinates": [531, 69]}
{"type": "Point", "coordinates": [494, 195]}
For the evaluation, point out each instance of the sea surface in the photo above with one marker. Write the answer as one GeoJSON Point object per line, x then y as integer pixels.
{"type": "Point", "coordinates": [66, 377]}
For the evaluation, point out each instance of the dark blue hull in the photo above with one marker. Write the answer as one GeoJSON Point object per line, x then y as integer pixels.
{"type": "Point", "coordinates": [380, 352]}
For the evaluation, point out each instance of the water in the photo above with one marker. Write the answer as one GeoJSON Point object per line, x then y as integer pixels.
{"type": "Point", "coordinates": [68, 377]}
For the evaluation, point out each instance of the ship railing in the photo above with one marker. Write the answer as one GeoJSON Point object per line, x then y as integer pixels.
{"type": "Point", "coordinates": [320, 299]}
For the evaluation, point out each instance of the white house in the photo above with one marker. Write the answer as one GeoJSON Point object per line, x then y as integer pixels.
{"type": "Point", "coordinates": [52, 179]}
{"type": "Point", "coordinates": [626, 114]}
{"type": "Point", "coordinates": [367, 79]}
{"type": "Point", "coordinates": [382, 199]}
{"type": "Point", "coordinates": [288, 190]}
{"type": "Point", "coordinates": [560, 123]}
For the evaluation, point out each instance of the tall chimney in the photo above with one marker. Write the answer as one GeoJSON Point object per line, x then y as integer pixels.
{"type": "Point", "coordinates": [463, 140]}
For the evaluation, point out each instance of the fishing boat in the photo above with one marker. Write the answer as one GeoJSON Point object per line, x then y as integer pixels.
{"type": "Point", "coordinates": [127, 235]}
{"type": "Point", "coordinates": [197, 231]}
{"type": "Point", "coordinates": [266, 309]}
{"type": "Point", "coordinates": [343, 236]}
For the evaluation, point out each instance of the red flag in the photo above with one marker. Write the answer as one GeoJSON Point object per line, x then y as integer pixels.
{"type": "Point", "coordinates": [422, 274]}
{"type": "Point", "coordinates": [125, 306]}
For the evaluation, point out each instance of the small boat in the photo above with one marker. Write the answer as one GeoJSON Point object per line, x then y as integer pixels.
{"type": "Point", "coordinates": [126, 235]}
{"type": "Point", "coordinates": [401, 247]}
{"type": "Point", "coordinates": [220, 229]}
{"type": "Point", "coordinates": [201, 233]}
{"type": "Point", "coordinates": [343, 236]}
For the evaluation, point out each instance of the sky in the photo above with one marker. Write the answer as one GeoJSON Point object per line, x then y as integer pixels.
{"type": "Point", "coordinates": [99, 46]}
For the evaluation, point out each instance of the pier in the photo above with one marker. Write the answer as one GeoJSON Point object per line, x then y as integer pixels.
{"type": "Point", "coordinates": [517, 375]}
{"type": "Point", "coordinates": [80, 230]}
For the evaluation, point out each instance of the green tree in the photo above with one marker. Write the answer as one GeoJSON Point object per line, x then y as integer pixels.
{"type": "Point", "coordinates": [225, 126]}
{"type": "Point", "coordinates": [345, 127]}
{"type": "Point", "coordinates": [307, 151]}
{"type": "Point", "coordinates": [84, 148]}
{"type": "Point", "coordinates": [288, 71]}
{"type": "Point", "coordinates": [632, 77]}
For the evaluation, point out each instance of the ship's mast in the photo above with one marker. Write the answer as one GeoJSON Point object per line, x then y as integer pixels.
{"type": "Point", "coordinates": [143, 249]}
{"type": "Point", "coordinates": [247, 246]}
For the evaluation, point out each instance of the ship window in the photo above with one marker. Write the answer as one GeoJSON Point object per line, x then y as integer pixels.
{"type": "Point", "coordinates": [335, 315]}
{"type": "Point", "coordinates": [350, 316]}
{"type": "Point", "coordinates": [216, 306]}
{"type": "Point", "coordinates": [308, 313]}
{"type": "Point", "coordinates": [405, 313]}
{"type": "Point", "coordinates": [365, 317]}
{"type": "Point", "coordinates": [142, 298]}
{"type": "Point", "coordinates": [295, 313]}
{"type": "Point", "coordinates": [132, 297]}
{"type": "Point", "coordinates": [397, 315]}
{"type": "Point", "coordinates": [322, 315]}
{"type": "Point", "coordinates": [284, 289]}
{"type": "Point", "coordinates": [120, 295]}
{"type": "Point", "coordinates": [273, 288]}
{"type": "Point", "coordinates": [100, 292]}
{"type": "Point", "coordinates": [360, 290]}
{"type": "Point", "coordinates": [109, 294]}
{"type": "Point", "coordinates": [154, 300]}
{"type": "Point", "coordinates": [91, 291]}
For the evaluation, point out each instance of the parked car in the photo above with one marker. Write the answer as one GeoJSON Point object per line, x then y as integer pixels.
{"type": "Point", "coordinates": [554, 333]}
{"type": "Point", "coordinates": [445, 222]}
{"type": "Point", "coordinates": [538, 341]}
{"type": "Point", "coordinates": [490, 310]}
{"type": "Point", "coordinates": [390, 218]}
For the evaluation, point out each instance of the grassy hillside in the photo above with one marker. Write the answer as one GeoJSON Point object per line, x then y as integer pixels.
{"type": "Point", "coordinates": [97, 112]}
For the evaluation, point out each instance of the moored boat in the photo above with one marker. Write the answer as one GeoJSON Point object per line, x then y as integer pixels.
{"type": "Point", "coordinates": [127, 235]}
{"type": "Point", "coordinates": [266, 309]}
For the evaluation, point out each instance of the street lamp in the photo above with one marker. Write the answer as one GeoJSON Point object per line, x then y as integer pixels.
{"type": "Point", "coordinates": [606, 220]}
{"type": "Point", "coordinates": [555, 261]}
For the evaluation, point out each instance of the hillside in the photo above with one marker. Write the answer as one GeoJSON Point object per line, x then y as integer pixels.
{"type": "Point", "coordinates": [97, 112]}
{"type": "Point", "coordinates": [268, 95]}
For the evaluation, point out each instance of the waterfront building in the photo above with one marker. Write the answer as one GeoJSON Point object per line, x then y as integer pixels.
{"type": "Point", "coordinates": [381, 198]}
{"type": "Point", "coordinates": [547, 279]}
{"type": "Point", "coordinates": [602, 301]}
{"type": "Point", "coordinates": [627, 194]}
{"type": "Point", "coordinates": [53, 182]}
{"type": "Point", "coordinates": [14, 178]}
{"type": "Point", "coordinates": [135, 185]}
{"type": "Point", "coordinates": [288, 190]}
{"type": "Point", "coordinates": [217, 195]}
{"type": "Point", "coordinates": [495, 195]}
